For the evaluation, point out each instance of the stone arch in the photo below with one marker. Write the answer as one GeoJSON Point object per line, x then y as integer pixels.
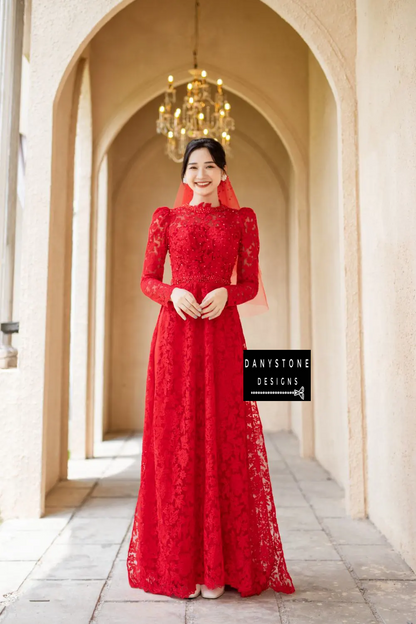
{"type": "Point", "coordinates": [309, 25]}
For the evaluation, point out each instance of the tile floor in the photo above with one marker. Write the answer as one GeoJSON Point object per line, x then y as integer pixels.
{"type": "Point", "coordinates": [70, 566]}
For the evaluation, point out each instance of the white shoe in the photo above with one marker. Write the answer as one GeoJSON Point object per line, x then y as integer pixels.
{"type": "Point", "coordinates": [212, 593]}
{"type": "Point", "coordinates": [197, 592]}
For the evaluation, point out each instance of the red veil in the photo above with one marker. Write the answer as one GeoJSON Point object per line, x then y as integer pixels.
{"type": "Point", "coordinates": [227, 197]}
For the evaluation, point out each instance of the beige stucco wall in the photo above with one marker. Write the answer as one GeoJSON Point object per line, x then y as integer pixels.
{"type": "Point", "coordinates": [386, 79]}
{"type": "Point", "coordinates": [294, 328]}
{"type": "Point", "coordinates": [80, 269]}
{"type": "Point", "coordinates": [327, 280]}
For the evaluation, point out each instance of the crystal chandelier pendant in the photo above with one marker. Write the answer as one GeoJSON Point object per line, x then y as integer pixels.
{"type": "Point", "coordinates": [200, 115]}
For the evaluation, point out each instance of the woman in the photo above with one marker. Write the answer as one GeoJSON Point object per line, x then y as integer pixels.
{"type": "Point", "coordinates": [205, 515]}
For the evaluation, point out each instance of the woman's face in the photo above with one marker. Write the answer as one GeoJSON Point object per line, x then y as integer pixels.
{"type": "Point", "coordinates": [202, 174]}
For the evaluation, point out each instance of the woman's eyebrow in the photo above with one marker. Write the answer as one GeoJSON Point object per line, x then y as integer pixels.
{"type": "Point", "coordinates": [205, 163]}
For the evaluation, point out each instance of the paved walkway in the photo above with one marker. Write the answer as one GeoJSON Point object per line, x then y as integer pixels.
{"type": "Point", "coordinates": [69, 567]}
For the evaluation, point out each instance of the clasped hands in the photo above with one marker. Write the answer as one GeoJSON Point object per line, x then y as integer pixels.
{"type": "Point", "coordinates": [210, 307]}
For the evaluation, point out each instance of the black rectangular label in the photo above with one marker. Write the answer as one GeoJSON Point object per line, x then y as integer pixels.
{"type": "Point", "coordinates": [277, 375]}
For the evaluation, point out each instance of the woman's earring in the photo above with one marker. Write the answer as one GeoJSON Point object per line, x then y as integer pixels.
{"type": "Point", "coordinates": [184, 180]}
{"type": "Point", "coordinates": [224, 178]}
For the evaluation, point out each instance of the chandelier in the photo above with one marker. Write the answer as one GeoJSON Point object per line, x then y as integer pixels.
{"type": "Point", "coordinates": [200, 115]}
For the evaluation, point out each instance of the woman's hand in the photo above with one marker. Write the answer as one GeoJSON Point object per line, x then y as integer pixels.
{"type": "Point", "coordinates": [184, 300]}
{"type": "Point", "coordinates": [214, 302]}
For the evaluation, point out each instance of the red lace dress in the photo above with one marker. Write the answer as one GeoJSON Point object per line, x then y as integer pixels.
{"type": "Point", "coordinates": [205, 511]}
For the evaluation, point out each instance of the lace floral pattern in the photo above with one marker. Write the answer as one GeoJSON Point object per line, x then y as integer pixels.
{"type": "Point", "coordinates": [205, 511]}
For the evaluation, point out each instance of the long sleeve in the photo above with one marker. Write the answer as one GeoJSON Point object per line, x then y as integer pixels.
{"type": "Point", "coordinates": [154, 261]}
{"type": "Point", "coordinates": [248, 261]}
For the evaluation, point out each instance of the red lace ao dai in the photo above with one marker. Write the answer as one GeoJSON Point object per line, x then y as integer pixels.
{"type": "Point", "coordinates": [205, 511]}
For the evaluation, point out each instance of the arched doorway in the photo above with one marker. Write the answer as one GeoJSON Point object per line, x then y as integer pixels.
{"type": "Point", "coordinates": [337, 74]}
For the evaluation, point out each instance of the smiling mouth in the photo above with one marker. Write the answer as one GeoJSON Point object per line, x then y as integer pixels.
{"type": "Point", "coordinates": [202, 183]}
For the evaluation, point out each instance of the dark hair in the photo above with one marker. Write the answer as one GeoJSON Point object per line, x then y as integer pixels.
{"type": "Point", "coordinates": [215, 148]}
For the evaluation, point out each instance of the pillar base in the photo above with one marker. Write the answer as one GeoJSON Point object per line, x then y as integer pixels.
{"type": "Point", "coordinates": [8, 356]}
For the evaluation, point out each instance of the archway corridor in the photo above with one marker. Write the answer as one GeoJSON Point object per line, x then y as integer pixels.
{"type": "Point", "coordinates": [330, 175]}
{"type": "Point", "coordinates": [285, 160]}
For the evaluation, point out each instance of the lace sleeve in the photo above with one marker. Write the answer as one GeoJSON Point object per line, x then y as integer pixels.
{"type": "Point", "coordinates": [154, 260]}
{"type": "Point", "coordinates": [248, 261]}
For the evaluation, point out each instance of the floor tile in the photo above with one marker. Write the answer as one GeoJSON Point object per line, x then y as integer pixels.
{"type": "Point", "coordinates": [330, 613]}
{"type": "Point", "coordinates": [25, 545]}
{"type": "Point", "coordinates": [44, 602]}
{"type": "Point", "coordinates": [87, 531]}
{"type": "Point", "coordinates": [76, 561]}
{"type": "Point", "coordinates": [395, 601]}
{"type": "Point", "coordinates": [377, 561]}
{"type": "Point", "coordinates": [143, 613]}
{"type": "Point", "coordinates": [107, 508]}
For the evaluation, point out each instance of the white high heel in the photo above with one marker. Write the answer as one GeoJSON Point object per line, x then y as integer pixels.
{"type": "Point", "coordinates": [212, 593]}
{"type": "Point", "coordinates": [197, 592]}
